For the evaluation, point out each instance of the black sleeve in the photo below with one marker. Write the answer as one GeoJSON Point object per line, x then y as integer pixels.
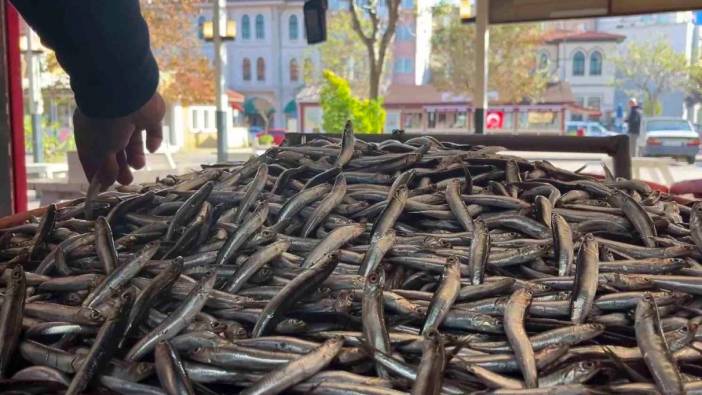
{"type": "Point", "coordinates": [104, 47]}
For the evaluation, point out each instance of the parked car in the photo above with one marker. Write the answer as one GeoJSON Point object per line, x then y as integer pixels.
{"type": "Point", "coordinates": [278, 135]}
{"type": "Point", "coordinates": [669, 136]}
{"type": "Point", "coordinates": [589, 129]}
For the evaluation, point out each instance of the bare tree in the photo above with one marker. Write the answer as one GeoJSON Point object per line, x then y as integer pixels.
{"type": "Point", "coordinates": [376, 35]}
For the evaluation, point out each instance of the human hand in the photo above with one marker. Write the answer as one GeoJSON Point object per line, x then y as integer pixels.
{"type": "Point", "coordinates": [107, 147]}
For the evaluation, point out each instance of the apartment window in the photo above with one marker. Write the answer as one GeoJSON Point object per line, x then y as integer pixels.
{"type": "Point", "coordinates": [206, 119]}
{"type": "Point", "coordinates": [579, 63]}
{"type": "Point", "coordinates": [245, 27]}
{"type": "Point", "coordinates": [194, 121]}
{"type": "Point", "coordinates": [294, 70]}
{"type": "Point", "coordinates": [293, 29]}
{"type": "Point", "coordinates": [260, 69]}
{"type": "Point", "coordinates": [246, 69]}
{"type": "Point", "coordinates": [543, 61]}
{"type": "Point", "coordinates": [594, 102]}
{"type": "Point", "coordinates": [403, 65]}
{"type": "Point", "coordinates": [412, 120]}
{"type": "Point", "coordinates": [596, 63]}
{"type": "Point", "coordinates": [307, 67]}
{"type": "Point", "coordinates": [259, 27]}
{"type": "Point", "coordinates": [404, 33]}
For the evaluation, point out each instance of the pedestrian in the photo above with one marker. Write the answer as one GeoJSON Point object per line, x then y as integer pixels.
{"type": "Point", "coordinates": [104, 47]}
{"type": "Point", "coordinates": [633, 121]}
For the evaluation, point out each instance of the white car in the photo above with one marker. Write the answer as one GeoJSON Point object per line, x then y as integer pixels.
{"type": "Point", "coordinates": [668, 136]}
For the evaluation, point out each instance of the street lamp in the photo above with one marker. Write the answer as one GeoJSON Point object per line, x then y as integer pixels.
{"type": "Point", "coordinates": [219, 30]}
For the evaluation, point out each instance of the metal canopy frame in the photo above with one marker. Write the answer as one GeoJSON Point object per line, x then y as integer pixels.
{"type": "Point", "coordinates": [617, 147]}
{"type": "Point", "coordinates": [517, 11]}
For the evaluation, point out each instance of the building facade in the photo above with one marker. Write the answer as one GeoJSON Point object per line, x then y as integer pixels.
{"type": "Point", "coordinates": [584, 59]}
{"type": "Point", "coordinates": [678, 29]}
{"type": "Point", "coordinates": [425, 109]}
{"type": "Point", "coordinates": [267, 59]}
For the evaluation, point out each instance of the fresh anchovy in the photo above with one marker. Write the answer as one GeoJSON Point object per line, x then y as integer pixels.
{"type": "Point", "coordinates": [329, 203]}
{"type": "Point", "coordinates": [44, 230]}
{"type": "Point", "coordinates": [444, 296]}
{"type": "Point", "coordinates": [238, 238]}
{"type": "Point", "coordinates": [299, 201]}
{"type": "Point", "coordinates": [373, 317]}
{"type": "Point", "coordinates": [379, 246]}
{"type": "Point", "coordinates": [479, 252]}
{"type": "Point", "coordinates": [334, 240]}
{"type": "Point", "coordinates": [161, 284]}
{"type": "Point", "coordinates": [41, 373]}
{"type": "Point", "coordinates": [170, 370]}
{"type": "Point", "coordinates": [515, 311]}
{"type": "Point", "coordinates": [176, 321]}
{"type": "Point", "coordinates": [297, 288]}
{"type": "Point", "coordinates": [252, 192]}
{"type": "Point", "coordinates": [543, 210]}
{"type": "Point", "coordinates": [658, 358]}
{"type": "Point", "coordinates": [188, 210]}
{"type": "Point", "coordinates": [105, 345]}
{"type": "Point", "coordinates": [254, 263]}
{"type": "Point", "coordinates": [298, 370]}
{"type": "Point", "coordinates": [348, 143]}
{"type": "Point", "coordinates": [696, 224]}
{"type": "Point", "coordinates": [393, 210]}
{"type": "Point", "coordinates": [119, 277]}
{"type": "Point", "coordinates": [562, 244]}
{"type": "Point", "coordinates": [127, 387]}
{"type": "Point", "coordinates": [11, 313]}
{"type": "Point", "coordinates": [458, 207]}
{"type": "Point", "coordinates": [105, 245]}
{"type": "Point", "coordinates": [431, 367]}
{"type": "Point", "coordinates": [636, 215]}
{"type": "Point", "coordinates": [586, 280]}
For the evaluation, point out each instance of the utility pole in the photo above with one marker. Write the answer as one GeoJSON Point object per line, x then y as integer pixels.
{"type": "Point", "coordinates": [220, 60]}
{"type": "Point", "coordinates": [35, 104]}
{"type": "Point", "coordinates": [482, 44]}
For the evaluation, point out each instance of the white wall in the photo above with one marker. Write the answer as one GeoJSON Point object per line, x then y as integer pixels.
{"type": "Point", "coordinates": [585, 86]}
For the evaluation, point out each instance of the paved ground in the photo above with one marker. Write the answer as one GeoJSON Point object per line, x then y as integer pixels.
{"type": "Point", "coordinates": [679, 170]}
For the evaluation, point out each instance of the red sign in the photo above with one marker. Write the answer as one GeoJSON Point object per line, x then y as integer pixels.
{"type": "Point", "coordinates": [495, 119]}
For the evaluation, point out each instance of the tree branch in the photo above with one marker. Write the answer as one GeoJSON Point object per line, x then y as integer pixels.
{"type": "Point", "coordinates": [393, 16]}
{"type": "Point", "coordinates": [356, 24]}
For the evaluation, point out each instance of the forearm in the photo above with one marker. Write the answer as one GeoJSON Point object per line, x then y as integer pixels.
{"type": "Point", "coordinates": [104, 47]}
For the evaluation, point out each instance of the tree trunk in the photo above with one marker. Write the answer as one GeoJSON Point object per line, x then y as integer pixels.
{"type": "Point", "coordinates": [376, 46]}
{"type": "Point", "coordinates": [374, 86]}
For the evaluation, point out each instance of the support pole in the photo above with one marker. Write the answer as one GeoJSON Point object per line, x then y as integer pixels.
{"type": "Point", "coordinates": [12, 77]}
{"type": "Point", "coordinates": [34, 96]}
{"type": "Point", "coordinates": [482, 44]}
{"type": "Point", "coordinates": [220, 60]}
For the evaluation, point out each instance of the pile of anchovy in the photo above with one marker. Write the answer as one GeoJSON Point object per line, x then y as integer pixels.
{"type": "Point", "coordinates": [346, 267]}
